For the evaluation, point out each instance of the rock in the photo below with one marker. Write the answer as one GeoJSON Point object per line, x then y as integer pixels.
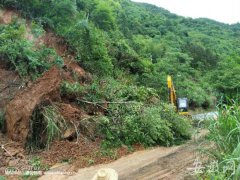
{"type": "Point", "coordinates": [13, 163]}
{"type": "Point", "coordinates": [2, 162]}
{"type": "Point", "coordinates": [21, 156]}
{"type": "Point", "coordinates": [69, 133]}
{"type": "Point", "coordinates": [70, 113]}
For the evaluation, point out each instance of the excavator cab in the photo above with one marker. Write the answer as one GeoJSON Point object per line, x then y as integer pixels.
{"type": "Point", "coordinates": [182, 106]}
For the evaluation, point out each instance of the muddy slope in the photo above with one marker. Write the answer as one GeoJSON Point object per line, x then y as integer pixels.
{"type": "Point", "coordinates": [10, 83]}
{"type": "Point", "coordinates": [19, 110]}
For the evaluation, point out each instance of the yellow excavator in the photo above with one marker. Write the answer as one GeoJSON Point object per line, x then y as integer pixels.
{"type": "Point", "coordinates": [181, 104]}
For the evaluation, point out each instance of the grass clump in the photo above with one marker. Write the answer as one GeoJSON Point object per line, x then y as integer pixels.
{"type": "Point", "coordinates": [225, 133]}
{"type": "Point", "coordinates": [54, 121]}
{"type": "Point", "coordinates": [46, 126]}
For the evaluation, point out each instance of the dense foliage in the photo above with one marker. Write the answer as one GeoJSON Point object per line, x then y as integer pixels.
{"type": "Point", "coordinates": [224, 133]}
{"type": "Point", "coordinates": [21, 55]}
{"type": "Point", "coordinates": [132, 115]}
{"type": "Point", "coordinates": [145, 41]}
{"type": "Point", "coordinates": [132, 47]}
{"type": "Point", "coordinates": [149, 125]}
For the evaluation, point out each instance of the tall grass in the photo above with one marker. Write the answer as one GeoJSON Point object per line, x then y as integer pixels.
{"type": "Point", "coordinates": [47, 124]}
{"type": "Point", "coordinates": [55, 123]}
{"type": "Point", "coordinates": [225, 135]}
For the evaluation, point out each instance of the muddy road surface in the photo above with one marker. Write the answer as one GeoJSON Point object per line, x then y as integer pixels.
{"type": "Point", "coordinates": [170, 163]}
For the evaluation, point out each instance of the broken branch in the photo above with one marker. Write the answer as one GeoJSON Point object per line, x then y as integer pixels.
{"type": "Point", "coordinates": [106, 102]}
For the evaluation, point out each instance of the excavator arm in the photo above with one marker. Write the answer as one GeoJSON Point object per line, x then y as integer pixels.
{"type": "Point", "coordinates": [171, 91]}
{"type": "Point", "coordinates": [181, 104]}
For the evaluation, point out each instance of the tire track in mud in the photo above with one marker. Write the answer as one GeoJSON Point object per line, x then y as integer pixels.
{"type": "Point", "coordinates": [170, 163]}
{"type": "Point", "coordinates": [172, 166]}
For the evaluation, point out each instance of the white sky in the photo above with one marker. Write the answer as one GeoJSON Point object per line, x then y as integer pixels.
{"type": "Point", "coordinates": [226, 11]}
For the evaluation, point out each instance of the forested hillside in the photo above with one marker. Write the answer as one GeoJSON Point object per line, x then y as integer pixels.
{"type": "Point", "coordinates": [87, 79]}
{"type": "Point", "coordinates": [144, 44]}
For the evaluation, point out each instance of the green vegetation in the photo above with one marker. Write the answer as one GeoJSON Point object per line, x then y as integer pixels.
{"type": "Point", "coordinates": [54, 121]}
{"type": "Point", "coordinates": [21, 55]}
{"type": "Point", "coordinates": [132, 47]}
{"type": "Point", "coordinates": [133, 114]}
{"type": "Point", "coordinates": [224, 155]}
{"type": "Point", "coordinates": [37, 165]}
{"type": "Point", "coordinates": [142, 41]}
{"type": "Point", "coordinates": [151, 125]}
{"type": "Point", "coordinates": [46, 126]}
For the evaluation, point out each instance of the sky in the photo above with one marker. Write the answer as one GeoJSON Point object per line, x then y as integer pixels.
{"type": "Point", "coordinates": [226, 11]}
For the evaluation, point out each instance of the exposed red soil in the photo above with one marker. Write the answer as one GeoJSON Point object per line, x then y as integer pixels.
{"type": "Point", "coordinates": [61, 47]}
{"type": "Point", "coordinates": [72, 116]}
{"type": "Point", "coordinates": [6, 16]}
{"type": "Point", "coordinates": [71, 113]}
{"type": "Point", "coordinates": [11, 155]}
{"type": "Point", "coordinates": [81, 154]}
{"type": "Point", "coordinates": [46, 89]}
{"type": "Point", "coordinates": [19, 110]}
{"type": "Point", "coordinates": [55, 42]}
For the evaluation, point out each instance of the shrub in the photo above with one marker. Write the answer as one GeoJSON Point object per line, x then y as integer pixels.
{"type": "Point", "coordinates": [68, 88]}
{"type": "Point", "coordinates": [55, 123]}
{"type": "Point", "coordinates": [148, 125]}
{"type": "Point", "coordinates": [103, 16]}
{"type": "Point", "coordinates": [21, 55]}
{"type": "Point", "coordinates": [90, 45]}
{"type": "Point", "coordinates": [224, 133]}
{"type": "Point", "coordinates": [133, 114]}
{"type": "Point", "coordinates": [180, 125]}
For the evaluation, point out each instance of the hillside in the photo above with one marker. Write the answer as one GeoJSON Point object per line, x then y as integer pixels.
{"type": "Point", "coordinates": [145, 42]}
{"type": "Point", "coordinates": [95, 72]}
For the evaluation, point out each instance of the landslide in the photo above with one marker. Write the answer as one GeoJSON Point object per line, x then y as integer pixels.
{"type": "Point", "coordinates": [20, 98]}
{"type": "Point", "coordinates": [27, 96]}
{"type": "Point", "coordinates": [20, 109]}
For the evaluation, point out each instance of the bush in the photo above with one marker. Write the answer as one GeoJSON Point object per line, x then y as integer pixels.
{"type": "Point", "coordinates": [110, 90]}
{"type": "Point", "coordinates": [55, 123]}
{"type": "Point", "coordinates": [135, 116]}
{"type": "Point", "coordinates": [21, 55]}
{"type": "Point", "coordinates": [148, 125]}
{"type": "Point", "coordinates": [104, 17]}
{"type": "Point", "coordinates": [72, 88]}
{"type": "Point", "coordinates": [180, 125]}
{"type": "Point", "coordinates": [90, 46]}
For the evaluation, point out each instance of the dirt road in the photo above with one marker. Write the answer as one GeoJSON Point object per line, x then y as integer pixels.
{"type": "Point", "coordinates": [153, 164]}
